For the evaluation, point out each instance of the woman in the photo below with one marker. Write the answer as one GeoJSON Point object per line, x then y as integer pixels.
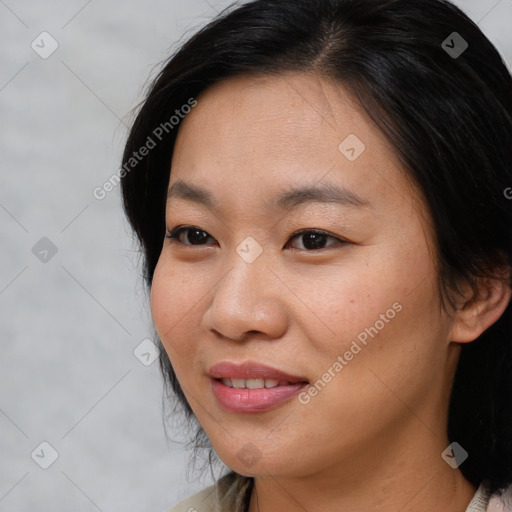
{"type": "Point", "coordinates": [319, 190]}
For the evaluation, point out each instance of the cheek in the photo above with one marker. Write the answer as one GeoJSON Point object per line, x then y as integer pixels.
{"type": "Point", "coordinates": [172, 309]}
{"type": "Point", "coordinates": [176, 296]}
{"type": "Point", "coordinates": [345, 302]}
{"type": "Point", "coordinates": [163, 308]}
{"type": "Point", "coordinates": [393, 354]}
{"type": "Point", "coordinates": [383, 315]}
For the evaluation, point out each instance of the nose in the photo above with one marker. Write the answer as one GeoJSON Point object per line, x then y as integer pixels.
{"type": "Point", "coordinates": [249, 300]}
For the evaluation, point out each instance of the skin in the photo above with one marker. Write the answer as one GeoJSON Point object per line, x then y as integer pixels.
{"type": "Point", "coordinates": [372, 438]}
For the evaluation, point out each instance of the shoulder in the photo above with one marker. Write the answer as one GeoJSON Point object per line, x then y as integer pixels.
{"type": "Point", "coordinates": [228, 494]}
{"type": "Point", "coordinates": [484, 501]}
{"type": "Point", "coordinates": [501, 502]}
{"type": "Point", "coordinates": [203, 501]}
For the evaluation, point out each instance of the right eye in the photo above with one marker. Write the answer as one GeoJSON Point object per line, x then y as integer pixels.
{"type": "Point", "coordinates": [193, 235]}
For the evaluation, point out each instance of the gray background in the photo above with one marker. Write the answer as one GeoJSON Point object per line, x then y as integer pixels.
{"type": "Point", "coordinates": [69, 325]}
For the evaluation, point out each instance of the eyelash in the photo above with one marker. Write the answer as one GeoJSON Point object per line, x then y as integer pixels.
{"type": "Point", "coordinates": [174, 234]}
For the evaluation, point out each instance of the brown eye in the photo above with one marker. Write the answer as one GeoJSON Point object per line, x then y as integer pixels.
{"type": "Point", "coordinates": [315, 240]}
{"type": "Point", "coordinates": [192, 235]}
{"type": "Point", "coordinates": [312, 239]}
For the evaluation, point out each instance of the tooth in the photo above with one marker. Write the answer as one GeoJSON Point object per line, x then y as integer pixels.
{"type": "Point", "coordinates": [227, 382]}
{"type": "Point", "coordinates": [254, 383]}
{"type": "Point", "coordinates": [238, 383]}
{"type": "Point", "coordinates": [271, 383]}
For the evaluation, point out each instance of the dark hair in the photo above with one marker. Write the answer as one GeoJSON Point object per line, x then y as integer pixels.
{"type": "Point", "coordinates": [449, 118]}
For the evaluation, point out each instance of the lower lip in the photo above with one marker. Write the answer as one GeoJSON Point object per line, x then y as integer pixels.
{"type": "Point", "coordinates": [252, 401]}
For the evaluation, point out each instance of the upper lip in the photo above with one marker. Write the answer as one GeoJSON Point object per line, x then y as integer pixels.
{"type": "Point", "coordinates": [250, 370]}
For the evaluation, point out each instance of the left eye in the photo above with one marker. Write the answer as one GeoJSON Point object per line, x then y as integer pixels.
{"type": "Point", "coordinates": [312, 239]}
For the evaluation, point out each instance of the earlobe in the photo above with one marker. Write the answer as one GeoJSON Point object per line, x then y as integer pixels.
{"type": "Point", "coordinates": [479, 312]}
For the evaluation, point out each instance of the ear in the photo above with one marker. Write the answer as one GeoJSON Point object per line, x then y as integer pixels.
{"type": "Point", "coordinates": [477, 312]}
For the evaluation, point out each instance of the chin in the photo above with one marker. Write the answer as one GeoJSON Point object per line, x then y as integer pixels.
{"type": "Point", "coordinates": [250, 462]}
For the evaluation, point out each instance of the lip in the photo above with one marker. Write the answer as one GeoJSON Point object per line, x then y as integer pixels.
{"type": "Point", "coordinates": [252, 401]}
{"type": "Point", "coordinates": [250, 370]}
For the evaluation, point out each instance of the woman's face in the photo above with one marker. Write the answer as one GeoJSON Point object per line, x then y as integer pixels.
{"type": "Point", "coordinates": [347, 321]}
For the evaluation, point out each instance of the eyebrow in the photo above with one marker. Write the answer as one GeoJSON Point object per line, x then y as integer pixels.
{"type": "Point", "coordinates": [290, 199]}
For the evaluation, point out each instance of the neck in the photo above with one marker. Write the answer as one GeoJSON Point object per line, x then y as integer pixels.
{"type": "Point", "coordinates": [409, 479]}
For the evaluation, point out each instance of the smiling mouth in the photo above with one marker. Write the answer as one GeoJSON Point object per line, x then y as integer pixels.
{"type": "Point", "coordinates": [256, 399]}
{"type": "Point", "coordinates": [256, 383]}
{"type": "Point", "coordinates": [251, 375]}
{"type": "Point", "coordinates": [252, 388]}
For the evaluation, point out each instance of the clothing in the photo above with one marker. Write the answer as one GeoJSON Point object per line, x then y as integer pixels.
{"type": "Point", "coordinates": [227, 495]}
{"type": "Point", "coordinates": [230, 494]}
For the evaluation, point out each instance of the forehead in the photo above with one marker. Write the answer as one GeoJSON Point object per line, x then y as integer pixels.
{"type": "Point", "coordinates": [292, 111]}
{"type": "Point", "coordinates": [252, 136]}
